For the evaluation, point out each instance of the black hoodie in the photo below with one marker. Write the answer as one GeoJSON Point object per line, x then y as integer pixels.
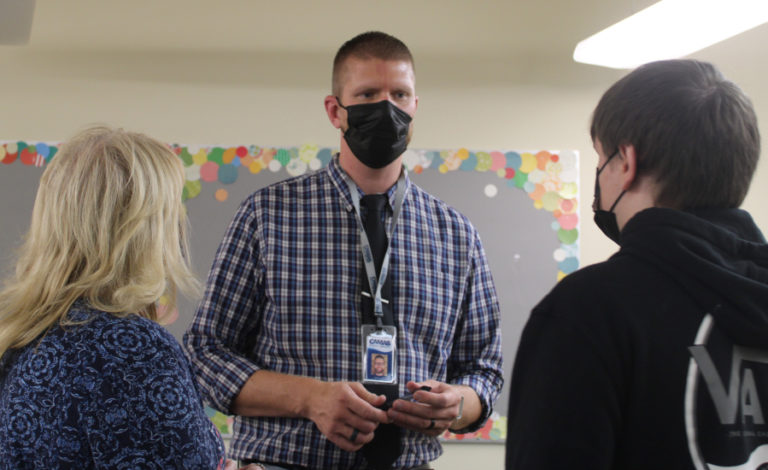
{"type": "Point", "coordinates": [654, 359]}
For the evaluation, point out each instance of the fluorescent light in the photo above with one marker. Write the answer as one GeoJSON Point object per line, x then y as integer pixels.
{"type": "Point", "coordinates": [670, 29]}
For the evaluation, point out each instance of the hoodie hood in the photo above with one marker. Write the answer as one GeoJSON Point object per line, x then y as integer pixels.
{"type": "Point", "coordinates": [719, 257]}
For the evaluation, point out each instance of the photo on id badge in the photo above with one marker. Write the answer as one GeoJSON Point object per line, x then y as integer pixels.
{"type": "Point", "coordinates": [379, 360]}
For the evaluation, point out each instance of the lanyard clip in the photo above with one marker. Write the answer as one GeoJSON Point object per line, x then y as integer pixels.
{"type": "Point", "coordinates": [366, 294]}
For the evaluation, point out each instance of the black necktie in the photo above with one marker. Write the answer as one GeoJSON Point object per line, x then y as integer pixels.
{"type": "Point", "coordinates": [386, 445]}
{"type": "Point", "coordinates": [375, 205]}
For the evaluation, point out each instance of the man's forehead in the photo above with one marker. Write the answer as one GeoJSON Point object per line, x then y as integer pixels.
{"type": "Point", "coordinates": [376, 66]}
{"type": "Point", "coordinates": [367, 58]}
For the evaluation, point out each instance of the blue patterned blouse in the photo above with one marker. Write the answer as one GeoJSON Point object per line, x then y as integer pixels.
{"type": "Point", "coordinates": [112, 393]}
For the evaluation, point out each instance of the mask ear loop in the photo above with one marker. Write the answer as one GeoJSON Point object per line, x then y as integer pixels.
{"type": "Point", "coordinates": [623, 192]}
{"type": "Point", "coordinates": [598, 192]}
{"type": "Point", "coordinates": [338, 101]}
{"type": "Point", "coordinates": [600, 170]}
{"type": "Point", "coordinates": [617, 200]}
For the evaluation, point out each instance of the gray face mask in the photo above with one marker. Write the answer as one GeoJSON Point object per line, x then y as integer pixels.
{"type": "Point", "coordinates": [606, 220]}
{"type": "Point", "coordinates": [377, 132]}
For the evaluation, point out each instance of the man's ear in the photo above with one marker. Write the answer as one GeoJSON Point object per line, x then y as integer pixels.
{"type": "Point", "coordinates": [332, 110]}
{"type": "Point", "coordinates": [628, 165]}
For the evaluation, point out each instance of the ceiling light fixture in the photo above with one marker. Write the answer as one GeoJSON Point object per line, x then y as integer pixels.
{"type": "Point", "coordinates": [670, 29]}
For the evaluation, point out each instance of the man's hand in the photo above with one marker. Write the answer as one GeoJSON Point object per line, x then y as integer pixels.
{"type": "Point", "coordinates": [431, 412]}
{"type": "Point", "coordinates": [346, 410]}
{"type": "Point", "coordinates": [232, 465]}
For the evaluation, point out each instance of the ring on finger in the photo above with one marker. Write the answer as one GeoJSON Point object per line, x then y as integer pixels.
{"type": "Point", "coordinates": [354, 434]}
{"type": "Point", "coordinates": [431, 424]}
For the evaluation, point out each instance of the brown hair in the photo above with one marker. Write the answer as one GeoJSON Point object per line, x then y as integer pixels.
{"type": "Point", "coordinates": [373, 44]}
{"type": "Point", "coordinates": [694, 131]}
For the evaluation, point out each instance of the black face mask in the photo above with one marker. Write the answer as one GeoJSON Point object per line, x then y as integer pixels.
{"type": "Point", "coordinates": [377, 133]}
{"type": "Point", "coordinates": [606, 220]}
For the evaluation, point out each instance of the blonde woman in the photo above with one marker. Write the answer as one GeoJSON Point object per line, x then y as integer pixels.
{"type": "Point", "coordinates": [88, 378]}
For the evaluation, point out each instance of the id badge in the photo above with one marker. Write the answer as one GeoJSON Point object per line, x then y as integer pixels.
{"type": "Point", "coordinates": [380, 354]}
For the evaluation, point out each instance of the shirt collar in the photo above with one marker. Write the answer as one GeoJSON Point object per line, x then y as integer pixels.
{"type": "Point", "coordinates": [337, 173]}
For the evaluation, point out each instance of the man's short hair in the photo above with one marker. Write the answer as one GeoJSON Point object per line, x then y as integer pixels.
{"type": "Point", "coordinates": [694, 132]}
{"type": "Point", "coordinates": [370, 45]}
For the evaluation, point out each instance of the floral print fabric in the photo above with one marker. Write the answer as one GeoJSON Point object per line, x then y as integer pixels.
{"type": "Point", "coordinates": [111, 392]}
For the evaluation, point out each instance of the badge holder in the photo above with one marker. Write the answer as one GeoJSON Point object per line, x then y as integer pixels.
{"type": "Point", "coordinates": [379, 354]}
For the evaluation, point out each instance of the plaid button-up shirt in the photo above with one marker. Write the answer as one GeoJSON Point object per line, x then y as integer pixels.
{"type": "Point", "coordinates": [284, 295]}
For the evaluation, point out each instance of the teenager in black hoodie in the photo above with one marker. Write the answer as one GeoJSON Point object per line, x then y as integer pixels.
{"type": "Point", "coordinates": [658, 357]}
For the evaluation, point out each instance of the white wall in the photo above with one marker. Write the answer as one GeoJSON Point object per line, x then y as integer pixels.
{"type": "Point", "coordinates": [211, 98]}
{"type": "Point", "coordinates": [233, 98]}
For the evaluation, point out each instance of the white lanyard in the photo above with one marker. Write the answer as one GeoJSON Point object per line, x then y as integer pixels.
{"type": "Point", "coordinates": [375, 283]}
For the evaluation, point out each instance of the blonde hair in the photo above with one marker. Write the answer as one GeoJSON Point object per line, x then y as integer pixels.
{"type": "Point", "coordinates": [108, 227]}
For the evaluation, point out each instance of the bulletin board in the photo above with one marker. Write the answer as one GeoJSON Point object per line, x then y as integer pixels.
{"type": "Point", "coordinates": [523, 203]}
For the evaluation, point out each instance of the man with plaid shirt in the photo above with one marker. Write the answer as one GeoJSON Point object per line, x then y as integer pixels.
{"type": "Point", "coordinates": [277, 336]}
